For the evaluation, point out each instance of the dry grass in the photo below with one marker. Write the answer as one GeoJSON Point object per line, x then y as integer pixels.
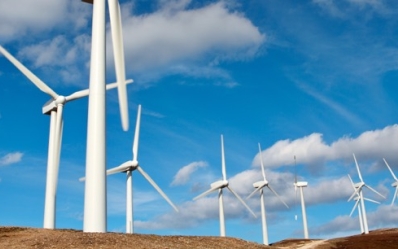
{"type": "Point", "coordinates": [17, 237]}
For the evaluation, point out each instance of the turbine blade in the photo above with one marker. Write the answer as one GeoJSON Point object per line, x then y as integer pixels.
{"type": "Point", "coordinates": [395, 195]}
{"type": "Point", "coordinates": [353, 186]}
{"type": "Point", "coordinates": [118, 53]}
{"type": "Point", "coordinates": [121, 168]}
{"type": "Point", "coordinates": [356, 163]}
{"type": "Point", "coordinates": [40, 84]}
{"type": "Point", "coordinates": [353, 195]}
{"type": "Point", "coordinates": [353, 209]}
{"type": "Point", "coordinates": [367, 199]}
{"type": "Point", "coordinates": [392, 173]}
{"type": "Point", "coordinates": [273, 191]}
{"type": "Point", "coordinates": [261, 160]}
{"type": "Point", "coordinates": [152, 182]}
{"type": "Point", "coordinates": [352, 183]}
{"type": "Point", "coordinates": [114, 85]}
{"type": "Point", "coordinates": [295, 172]}
{"type": "Point", "coordinates": [205, 193]}
{"type": "Point", "coordinates": [242, 201]}
{"type": "Point", "coordinates": [137, 134]}
{"type": "Point", "coordinates": [369, 187]}
{"type": "Point", "coordinates": [252, 193]}
{"type": "Point", "coordinates": [86, 92]}
{"type": "Point", "coordinates": [224, 173]}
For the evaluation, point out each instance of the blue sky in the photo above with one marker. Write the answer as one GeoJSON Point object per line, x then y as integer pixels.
{"type": "Point", "coordinates": [315, 79]}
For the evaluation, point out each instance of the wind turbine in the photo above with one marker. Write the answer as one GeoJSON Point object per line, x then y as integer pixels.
{"type": "Point", "coordinates": [259, 187]}
{"type": "Point", "coordinates": [220, 185]}
{"type": "Point", "coordinates": [95, 187]}
{"type": "Point", "coordinates": [358, 191]}
{"type": "Point", "coordinates": [54, 107]}
{"type": "Point", "coordinates": [358, 205]}
{"type": "Point", "coordinates": [301, 185]}
{"type": "Point", "coordinates": [128, 168]}
{"type": "Point", "coordinates": [394, 184]}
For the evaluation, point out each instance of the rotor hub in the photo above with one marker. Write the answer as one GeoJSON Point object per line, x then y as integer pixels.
{"type": "Point", "coordinates": [60, 100]}
{"type": "Point", "coordinates": [134, 164]}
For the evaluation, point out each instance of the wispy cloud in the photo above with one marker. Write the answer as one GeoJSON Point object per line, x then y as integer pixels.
{"type": "Point", "coordinates": [11, 158]}
{"type": "Point", "coordinates": [61, 54]}
{"type": "Point", "coordinates": [183, 175]}
{"type": "Point", "coordinates": [344, 9]}
{"type": "Point", "coordinates": [339, 109]}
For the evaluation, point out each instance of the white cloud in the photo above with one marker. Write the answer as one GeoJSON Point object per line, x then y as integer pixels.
{"type": "Point", "coordinates": [183, 175]}
{"type": "Point", "coordinates": [24, 17]}
{"type": "Point", "coordinates": [191, 41]}
{"type": "Point", "coordinates": [320, 191]}
{"type": "Point", "coordinates": [312, 150]}
{"type": "Point", "coordinates": [384, 216]}
{"type": "Point", "coordinates": [61, 53]}
{"type": "Point", "coordinates": [177, 34]}
{"type": "Point", "coordinates": [175, 39]}
{"type": "Point", "coordinates": [11, 158]}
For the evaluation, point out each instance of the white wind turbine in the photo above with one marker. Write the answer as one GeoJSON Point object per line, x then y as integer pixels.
{"type": "Point", "coordinates": [358, 205]}
{"type": "Point", "coordinates": [394, 184]}
{"type": "Point", "coordinates": [219, 185]}
{"type": "Point", "coordinates": [128, 168]}
{"type": "Point", "coordinates": [54, 108]}
{"type": "Point", "coordinates": [358, 192]}
{"type": "Point", "coordinates": [301, 185]}
{"type": "Point", "coordinates": [259, 187]}
{"type": "Point", "coordinates": [95, 187]}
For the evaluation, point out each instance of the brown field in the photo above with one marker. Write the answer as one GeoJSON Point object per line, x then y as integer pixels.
{"type": "Point", "coordinates": [18, 237]}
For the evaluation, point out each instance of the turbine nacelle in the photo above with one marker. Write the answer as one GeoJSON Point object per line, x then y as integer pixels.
{"type": "Point", "coordinates": [359, 185]}
{"type": "Point", "coordinates": [219, 184]}
{"type": "Point", "coordinates": [394, 184]}
{"type": "Point", "coordinates": [130, 168]}
{"type": "Point", "coordinates": [49, 106]}
{"type": "Point", "coordinates": [260, 184]}
{"type": "Point", "coordinates": [300, 184]}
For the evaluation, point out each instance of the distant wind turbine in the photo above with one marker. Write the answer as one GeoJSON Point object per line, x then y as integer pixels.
{"type": "Point", "coordinates": [394, 184]}
{"type": "Point", "coordinates": [54, 107]}
{"type": "Point", "coordinates": [220, 185]}
{"type": "Point", "coordinates": [357, 204]}
{"type": "Point", "coordinates": [128, 168]}
{"type": "Point", "coordinates": [259, 187]}
{"type": "Point", "coordinates": [358, 192]}
{"type": "Point", "coordinates": [301, 185]}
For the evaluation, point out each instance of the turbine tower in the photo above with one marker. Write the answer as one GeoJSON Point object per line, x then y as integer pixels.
{"type": "Point", "coordinates": [128, 168]}
{"type": "Point", "coordinates": [54, 107]}
{"type": "Point", "coordinates": [394, 184]}
{"type": "Point", "coordinates": [220, 185]}
{"type": "Point", "coordinates": [358, 192]}
{"type": "Point", "coordinates": [301, 185]}
{"type": "Point", "coordinates": [259, 187]}
{"type": "Point", "coordinates": [95, 187]}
